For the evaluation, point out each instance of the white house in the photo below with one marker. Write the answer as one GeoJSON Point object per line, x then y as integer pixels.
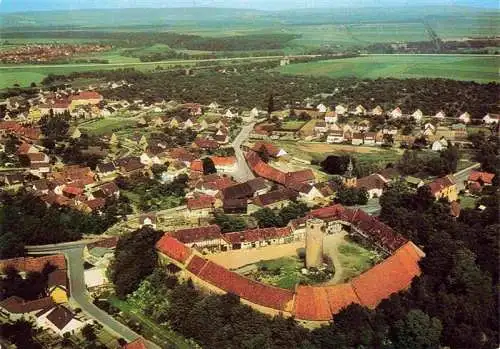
{"type": "Point", "coordinates": [229, 114]}
{"type": "Point", "coordinates": [321, 108]}
{"type": "Point", "coordinates": [490, 119]}
{"type": "Point", "coordinates": [440, 115]}
{"type": "Point", "coordinates": [437, 146]}
{"type": "Point", "coordinates": [377, 111]}
{"type": "Point", "coordinates": [396, 113]}
{"type": "Point", "coordinates": [254, 113]}
{"type": "Point", "coordinates": [335, 137]}
{"type": "Point", "coordinates": [331, 117]}
{"type": "Point", "coordinates": [465, 118]}
{"type": "Point", "coordinates": [418, 115]}
{"type": "Point", "coordinates": [340, 109]}
{"type": "Point", "coordinates": [213, 107]}
{"type": "Point", "coordinates": [320, 127]}
{"type": "Point", "coordinates": [95, 277]}
{"type": "Point", "coordinates": [360, 110]}
{"type": "Point", "coordinates": [147, 221]}
{"type": "Point", "coordinates": [370, 138]}
{"type": "Point", "coordinates": [60, 320]}
{"type": "Point", "coordinates": [374, 184]}
{"type": "Point", "coordinates": [357, 139]}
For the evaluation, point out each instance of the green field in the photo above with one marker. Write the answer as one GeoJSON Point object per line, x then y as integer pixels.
{"type": "Point", "coordinates": [282, 272]}
{"type": "Point", "coordinates": [106, 125]}
{"type": "Point", "coordinates": [480, 69]}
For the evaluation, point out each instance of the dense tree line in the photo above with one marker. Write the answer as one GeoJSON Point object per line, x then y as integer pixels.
{"type": "Point", "coordinates": [250, 89]}
{"type": "Point", "coordinates": [33, 286]}
{"type": "Point", "coordinates": [26, 220]}
{"type": "Point", "coordinates": [174, 40]}
{"type": "Point", "coordinates": [415, 162]}
{"type": "Point", "coordinates": [267, 217]}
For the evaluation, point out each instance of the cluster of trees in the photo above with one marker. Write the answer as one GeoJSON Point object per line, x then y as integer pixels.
{"type": "Point", "coordinates": [459, 285]}
{"type": "Point", "coordinates": [229, 223]}
{"type": "Point", "coordinates": [174, 137]}
{"type": "Point", "coordinates": [267, 217]}
{"type": "Point", "coordinates": [26, 220]}
{"type": "Point", "coordinates": [135, 258]}
{"type": "Point", "coordinates": [154, 195]}
{"type": "Point", "coordinates": [486, 152]}
{"type": "Point", "coordinates": [350, 196]}
{"type": "Point", "coordinates": [414, 162]}
{"type": "Point", "coordinates": [55, 127]}
{"type": "Point", "coordinates": [20, 333]}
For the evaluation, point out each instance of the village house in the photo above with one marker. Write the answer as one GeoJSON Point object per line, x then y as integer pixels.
{"type": "Point", "coordinates": [269, 148]}
{"type": "Point", "coordinates": [85, 98]}
{"type": "Point", "coordinates": [478, 179]}
{"type": "Point", "coordinates": [335, 137]}
{"type": "Point", "coordinates": [106, 190]}
{"type": "Point", "coordinates": [225, 164]}
{"type": "Point", "coordinates": [213, 107]}
{"type": "Point", "coordinates": [437, 146]}
{"type": "Point", "coordinates": [490, 119]}
{"type": "Point", "coordinates": [440, 115]}
{"type": "Point", "coordinates": [255, 238]}
{"type": "Point", "coordinates": [235, 206]}
{"type": "Point", "coordinates": [60, 320]}
{"type": "Point", "coordinates": [414, 182]}
{"type": "Point", "coordinates": [340, 109]}
{"type": "Point", "coordinates": [129, 165]}
{"type": "Point", "coordinates": [276, 199]}
{"type": "Point", "coordinates": [464, 118]}
{"type": "Point", "coordinates": [321, 108]}
{"type": "Point", "coordinates": [147, 220]}
{"type": "Point", "coordinates": [418, 115]}
{"type": "Point", "coordinates": [248, 189]}
{"type": "Point", "coordinates": [206, 237]}
{"type": "Point", "coordinates": [15, 308]}
{"type": "Point", "coordinates": [359, 111]}
{"type": "Point", "coordinates": [396, 113]}
{"type": "Point", "coordinates": [357, 139]}
{"type": "Point", "coordinates": [374, 185]}
{"type": "Point", "coordinates": [39, 163]}
{"type": "Point", "coordinates": [444, 188]}
{"type": "Point", "coordinates": [377, 111]}
{"type": "Point", "coordinates": [320, 127]}
{"type": "Point", "coordinates": [105, 170]}
{"type": "Point", "coordinates": [201, 206]}
{"type": "Point", "coordinates": [331, 117]}
{"type": "Point", "coordinates": [370, 138]}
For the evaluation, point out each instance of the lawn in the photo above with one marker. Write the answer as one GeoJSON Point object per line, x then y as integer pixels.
{"type": "Point", "coordinates": [355, 259]}
{"type": "Point", "coordinates": [282, 272]}
{"type": "Point", "coordinates": [479, 69]}
{"type": "Point", "coordinates": [150, 329]}
{"type": "Point", "coordinates": [107, 125]}
{"type": "Point", "coordinates": [292, 125]}
{"type": "Point", "coordinates": [467, 201]}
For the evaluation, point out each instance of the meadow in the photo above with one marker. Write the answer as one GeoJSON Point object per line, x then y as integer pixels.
{"type": "Point", "coordinates": [479, 69]}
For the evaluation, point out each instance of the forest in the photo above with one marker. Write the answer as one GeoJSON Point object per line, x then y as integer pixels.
{"type": "Point", "coordinates": [249, 87]}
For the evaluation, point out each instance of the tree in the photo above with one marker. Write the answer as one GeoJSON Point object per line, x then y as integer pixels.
{"type": "Point", "coordinates": [270, 104]}
{"type": "Point", "coordinates": [334, 164]}
{"type": "Point", "coordinates": [135, 258]}
{"type": "Point", "coordinates": [54, 127]}
{"type": "Point", "coordinates": [88, 333]}
{"type": "Point", "coordinates": [208, 166]}
{"type": "Point", "coordinates": [229, 223]}
{"type": "Point", "coordinates": [450, 157]}
{"type": "Point", "coordinates": [266, 218]}
{"type": "Point", "coordinates": [417, 331]}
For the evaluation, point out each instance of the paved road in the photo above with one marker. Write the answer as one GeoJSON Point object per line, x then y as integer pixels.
{"type": "Point", "coordinates": [44, 66]}
{"type": "Point", "coordinates": [461, 176]}
{"type": "Point", "coordinates": [243, 172]}
{"type": "Point", "coordinates": [430, 54]}
{"type": "Point", "coordinates": [79, 297]}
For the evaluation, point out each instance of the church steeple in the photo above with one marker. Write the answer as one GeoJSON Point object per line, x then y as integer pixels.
{"type": "Point", "coordinates": [349, 179]}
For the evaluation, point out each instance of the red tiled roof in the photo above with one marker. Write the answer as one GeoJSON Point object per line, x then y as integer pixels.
{"type": "Point", "coordinates": [196, 165]}
{"type": "Point", "coordinates": [17, 305]}
{"type": "Point", "coordinates": [34, 264]}
{"type": "Point", "coordinates": [269, 148]}
{"type": "Point", "coordinates": [73, 190]}
{"type": "Point", "coordinates": [201, 202]}
{"type": "Point", "coordinates": [264, 170]}
{"type": "Point", "coordinates": [223, 160]}
{"type": "Point", "coordinates": [85, 95]}
{"type": "Point", "coordinates": [24, 148]}
{"type": "Point", "coordinates": [311, 303]}
{"type": "Point", "coordinates": [373, 181]}
{"type": "Point", "coordinates": [136, 344]}
{"type": "Point", "coordinates": [340, 296]}
{"type": "Point", "coordinates": [219, 184]}
{"type": "Point", "coordinates": [95, 203]}
{"type": "Point", "coordinates": [198, 234]}
{"type": "Point", "coordinates": [196, 264]}
{"type": "Point", "coordinates": [390, 276]}
{"type": "Point", "coordinates": [441, 183]}
{"type": "Point", "coordinates": [206, 143]}
{"type": "Point", "coordinates": [107, 243]}
{"type": "Point", "coordinates": [252, 291]}
{"type": "Point", "coordinates": [299, 176]}
{"type": "Point", "coordinates": [485, 177]}
{"type": "Point", "coordinates": [173, 248]}
{"type": "Point", "coordinates": [253, 235]}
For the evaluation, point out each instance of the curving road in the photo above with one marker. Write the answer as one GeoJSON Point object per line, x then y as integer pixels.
{"type": "Point", "coordinates": [243, 172]}
{"type": "Point", "coordinates": [78, 293]}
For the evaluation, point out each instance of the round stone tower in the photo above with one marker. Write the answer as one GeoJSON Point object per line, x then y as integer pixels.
{"type": "Point", "coordinates": [314, 243]}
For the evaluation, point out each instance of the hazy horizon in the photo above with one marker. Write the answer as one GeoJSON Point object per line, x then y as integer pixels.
{"type": "Point", "coordinates": [8, 6]}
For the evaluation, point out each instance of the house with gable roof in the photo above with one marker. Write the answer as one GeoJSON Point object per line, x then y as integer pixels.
{"type": "Point", "coordinates": [444, 188]}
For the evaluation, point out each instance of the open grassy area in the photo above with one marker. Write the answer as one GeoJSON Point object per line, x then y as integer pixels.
{"type": "Point", "coordinates": [467, 201]}
{"type": "Point", "coordinates": [282, 272]}
{"type": "Point", "coordinates": [150, 329]}
{"type": "Point", "coordinates": [355, 259]}
{"type": "Point", "coordinates": [292, 125]}
{"type": "Point", "coordinates": [107, 125]}
{"type": "Point", "coordinates": [480, 69]}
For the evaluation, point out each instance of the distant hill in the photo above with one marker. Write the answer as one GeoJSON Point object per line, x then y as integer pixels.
{"type": "Point", "coordinates": [113, 18]}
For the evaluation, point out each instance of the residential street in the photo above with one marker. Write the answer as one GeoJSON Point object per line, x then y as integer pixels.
{"type": "Point", "coordinates": [78, 293]}
{"type": "Point", "coordinates": [243, 173]}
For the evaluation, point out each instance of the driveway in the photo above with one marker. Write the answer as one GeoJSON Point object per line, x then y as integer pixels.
{"type": "Point", "coordinates": [78, 292]}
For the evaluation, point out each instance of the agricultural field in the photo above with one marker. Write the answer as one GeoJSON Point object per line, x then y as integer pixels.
{"type": "Point", "coordinates": [107, 125]}
{"type": "Point", "coordinates": [479, 69]}
{"type": "Point", "coordinates": [292, 125]}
